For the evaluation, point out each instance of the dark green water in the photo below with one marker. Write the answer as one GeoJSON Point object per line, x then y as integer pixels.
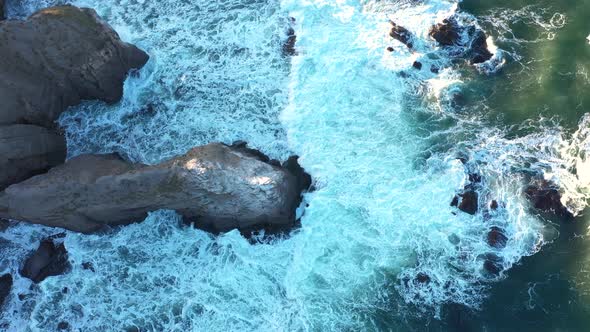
{"type": "Point", "coordinates": [548, 78]}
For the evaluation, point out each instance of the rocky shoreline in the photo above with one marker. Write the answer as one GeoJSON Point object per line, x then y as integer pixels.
{"type": "Point", "coordinates": [63, 55]}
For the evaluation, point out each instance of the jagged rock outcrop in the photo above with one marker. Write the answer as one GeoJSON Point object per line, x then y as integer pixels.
{"type": "Point", "coordinates": [401, 34]}
{"type": "Point", "coordinates": [50, 259]}
{"type": "Point", "coordinates": [56, 58]}
{"type": "Point", "coordinates": [218, 186]}
{"type": "Point", "coordinates": [446, 33]}
{"type": "Point", "coordinates": [27, 150]}
{"type": "Point", "coordinates": [545, 196]}
{"type": "Point", "coordinates": [449, 33]}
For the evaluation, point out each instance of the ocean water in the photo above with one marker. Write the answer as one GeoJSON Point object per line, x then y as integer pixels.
{"type": "Point", "coordinates": [383, 142]}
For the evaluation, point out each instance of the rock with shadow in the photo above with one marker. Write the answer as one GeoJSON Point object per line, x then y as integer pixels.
{"type": "Point", "coordinates": [217, 186]}
{"type": "Point", "coordinates": [56, 58]}
{"type": "Point", "coordinates": [50, 259]}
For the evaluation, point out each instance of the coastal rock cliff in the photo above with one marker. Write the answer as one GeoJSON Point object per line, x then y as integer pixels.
{"type": "Point", "coordinates": [219, 187]}
{"type": "Point", "coordinates": [55, 59]}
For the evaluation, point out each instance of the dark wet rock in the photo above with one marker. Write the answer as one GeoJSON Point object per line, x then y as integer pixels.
{"type": "Point", "coordinates": [494, 205]}
{"type": "Point", "coordinates": [48, 260]}
{"type": "Point", "coordinates": [447, 33]}
{"type": "Point", "coordinates": [5, 287]}
{"type": "Point", "coordinates": [479, 48]}
{"type": "Point", "coordinates": [496, 238]}
{"type": "Point", "coordinates": [63, 326]}
{"type": "Point", "coordinates": [221, 187]}
{"type": "Point", "coordinates": [468, 202]}
{"type": "Point", "coordinates": [455, 201]}
{"type": "Point", "coordinates": [545, 196]}
{"type": "Point", "coordinates": [390, 49]}
{"type": "Point", "coordinates": [474, 178]}
{"type": "Point", "coordinates": [88, 266]}
{"type": "Point", "coordinates": [401, 34]}
{"type": "Point", "coordinates": [460, 318]}
{"type": "Point", "coordinates": [27, 150]}
{"type": "Point", "coordinates": [289, 45]}
{"type": "Point", "coordinates": [303, 178]}
{"type": "Point", "coordinates": [423, 278]}
{"type": "Point", "coordinates": [417, 65]}
{"type": "Point", "coordinates": [55, 59]}
{"type": "Point", "coordinates": [2, 10]}
{"type": "Point", "coordinates": [434, 69]}
{"type": "Point", "coordinates": [492, 264]}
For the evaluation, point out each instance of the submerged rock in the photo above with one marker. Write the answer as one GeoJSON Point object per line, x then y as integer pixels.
{"type": "Point", "coordinates": [220, 187]}
{"type": "Point", "coordinates": [493, 264]}
{"type": "Point", "coordinates": [5, 287]}
{"type": "Point", "coordinates": [27, 150]}
{"type": "Point", "coordinates": [401, 34]}
{"type": "Point", "coordinates": [56, 58]}
{"type": "Point", "coordinates": [494, 205]}
{"type": "Point", "coordinates": [289, 45]}
{"type": "Point", "coordinates": [496, 238]}
{"type": "Point", "coordinates": [469, 202]}
{"type": "Point", "coordinates": [545, 196]}
{"type": "Point", "coordinates": [48, 260]}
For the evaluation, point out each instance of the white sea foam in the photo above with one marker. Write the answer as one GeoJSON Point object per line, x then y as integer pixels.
{"type": "Point", "coordinates": [384, 160]}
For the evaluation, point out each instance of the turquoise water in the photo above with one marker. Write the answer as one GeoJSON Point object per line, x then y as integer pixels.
{"type": "Point", "coordinates": [382, 141]}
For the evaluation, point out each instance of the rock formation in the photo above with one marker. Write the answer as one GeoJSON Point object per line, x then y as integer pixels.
{"type": "Point", "coordinates": [401, 34]}
{"type": "Point", "coordinates": [545, 196]}
{"type": "Point", "coordinates": [219, 187]}
{"type": "Point", "coordinates": [56, 58]}
{"type": "Point", "coordinates": [449, 33]}
{"type": "Point", "coordinates": [27, 150]}
{"type": "Point", "coordinates": [50, 259]}
{"type": "Point", "coordinates": [53, 60]}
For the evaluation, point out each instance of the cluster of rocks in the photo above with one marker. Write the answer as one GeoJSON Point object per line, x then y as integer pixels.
{"type": "Point", "coordinates": [469, 43]}
{"type": "Point", "coordinates": [449, 33]}
{"type": "Point", "coordinates": [62, 55]}
{"type": "Point", "coordinates": [543, 195]}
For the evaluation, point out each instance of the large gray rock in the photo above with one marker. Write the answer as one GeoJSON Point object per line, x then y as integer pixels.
{"type": "Point", "coordinates": [27, 150]}
{"type": "Point", "coordinates": [219, 187]}
{"type": "Point", "coordinates": [56, 58]}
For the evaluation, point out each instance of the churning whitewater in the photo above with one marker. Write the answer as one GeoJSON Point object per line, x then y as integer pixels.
{"type": "Point", "coordinates": [385, 149]}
